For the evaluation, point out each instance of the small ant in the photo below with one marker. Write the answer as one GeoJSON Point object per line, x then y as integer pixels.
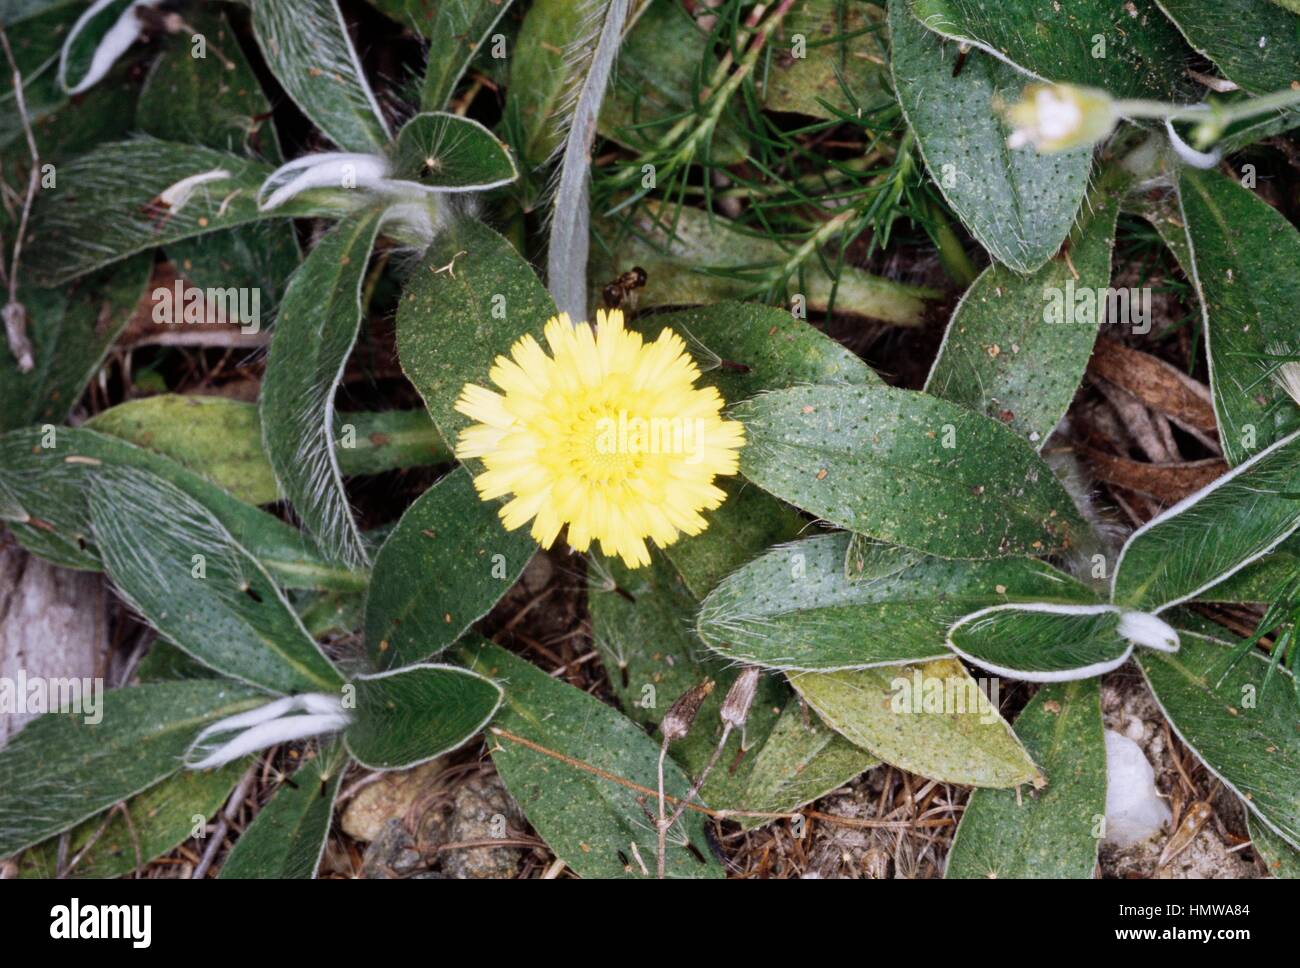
{"type": "Point", "coordinates": [624, 286]}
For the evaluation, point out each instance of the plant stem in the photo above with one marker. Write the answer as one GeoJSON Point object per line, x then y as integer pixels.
{"type": "Point", "coordinates": [1221, 114]}
{"type": "Point", "coordinates": [661, 826]}
{"type": "Point", "coordinates": [854, 822]}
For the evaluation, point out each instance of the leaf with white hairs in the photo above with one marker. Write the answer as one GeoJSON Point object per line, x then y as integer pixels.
{"type": "Point", "coordinates": [307, 47]}
{"type": "Point", "coordinates": [101, 35]}
{"type": "Point", "coordinates": [317, 326]}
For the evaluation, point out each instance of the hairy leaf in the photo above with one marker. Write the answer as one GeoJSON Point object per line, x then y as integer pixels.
{"type": "Point", "coordinates": [452, 154]}
{"type": "Point", "coordinates": [412, 715]}
{"type": "Point", "coordinates": [221, 439]}
{"type": "Point", "coordinates": [1246, 270]}
{"type": "Point", "coordinates": [175, 564]}
{"type": "Point", "coordinates": [1046, 833]}
{"type": "Point", "coordinates": [906, 468]}
{"type": "Point", "coordinates": [802, 760]}
{"type": "Point", "coordinates": [70, 329]}
{"type": "Point", "coordinates": [1019, 204]}
{"type": "Point", "coordinates": [455, 29]}
{"type": "Point", "coordinates": [640, 625]}
{"type": "Point", "coordinates": [932, 719]}
{"type": "Point", "coordinates": [467, 303]}
{"type": "Point", "coordinates": [45, 477]}
{"type": "Point", "coordinates": [306, 45]}
{"type": "Point", "coordinates": [60, 770]}
{"type": "Point", "coordinates": [129, 196]}
{"type": "Point", "coordinates": [1017, 347]}
{"type": "Point", "coordinates": [1212, 534]}
{"type": "Point", "coordinates": [444, 566]}
{"type": "Point", "coordinates": [795, 608]}
{"type": "Point", "coordinates": [1042, 643]}
{"type": "Point", "coordinates": [287, 837]}
{"type": "Point", "coordinates": [161, 817]}
{"type": "Point", "coordinates": [1141, 53]}
{"type": "Point", "coordinates": [1245, 737]}
{"type": "Point", "coordinates": [317, 325]}
{"type": "Point", "coordinates": [596, 825]}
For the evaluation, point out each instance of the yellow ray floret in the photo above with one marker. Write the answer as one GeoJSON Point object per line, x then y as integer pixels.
{"type": "Point", "coordinates": [607, 434]}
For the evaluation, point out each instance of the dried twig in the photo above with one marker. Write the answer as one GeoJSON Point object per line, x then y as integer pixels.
{"type": "Point", "coordinates": [14, 313]}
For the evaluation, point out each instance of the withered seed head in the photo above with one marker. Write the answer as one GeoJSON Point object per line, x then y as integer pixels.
{"type": "Point", "coordinates": [677, 721]}
{"type": "Point", "coordinates": [735, 708]}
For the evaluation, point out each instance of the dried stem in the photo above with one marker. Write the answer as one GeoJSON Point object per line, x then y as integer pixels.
{"type": "Point", "coordinates": [719, 814]}
{"type": "Point", "coordinates": [15, 316]}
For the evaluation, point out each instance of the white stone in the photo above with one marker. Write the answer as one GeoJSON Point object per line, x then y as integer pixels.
{"type": "Point", "coordinates": [1134, 810]}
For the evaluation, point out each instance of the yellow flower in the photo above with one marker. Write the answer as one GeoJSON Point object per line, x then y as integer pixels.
{"type": "Point", "coordinates": [608, 435]}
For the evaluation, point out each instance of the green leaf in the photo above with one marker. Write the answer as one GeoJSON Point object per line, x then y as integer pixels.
{"type": "Point", "coordinates": [60, 770]}
{"type": "Point", "coordinates": [307, 47]}
{"type": "Point", "coordinates": [221, 439]}
{"type": "Point", "coordinates": [1143, 54]}
{"type": "Point", "coordinates": [77, 63]}
{"type": "Point", "coordinates": [452, 324]}
{"type": "Point", "coordinates": [1281, 859]}
{"type": "Point", "coordinates": [63, 127]}
{"type": "Point", "coordinates": [597, 826]}
{"type": "Point", "coordinates": [36, 37]}
{"type": "Point", "coordinates": [693, 257]}
{"type": "Point", "coordinates": [455, 29]}
{"type": "Point", "coordinates": [1042, 643]}
{"type": "Point", "coordinates": [412, 715]}
{"type": "Point", "coordinates": [539, 77]}
{"type": "Point", "coordinates": [843, 63]}
{"type": "Point", "coordinates": [444, 566]}
{"type": "Point", "coordinates": [175, 564]}
{"type": "Point", "coordinates": [287, 837]}
{"type": "Point", "coordinates": [897, 466]}
{"type": "Point", "coordinates": [216, 100]}
{"type": "Point", "coordinates": [314, 333]}
{"type": "Point", "coordinates": [795, 608]}
{"type": "Point", "coordinates": [452, 154]}
{"type": "Point", "coordinates": [1247, 274]}
{"type": "Point", "coordinates": [1047, 833]}
{"type": "Point", "coordinates": [45, 477]}
{"type": "Point", "coordinates": [931, 718]}
{"type": "Point", "coordinates": [160, 818]}
{"type": "Point", "coordinates": [1003, 355]}
{"type": "Point", "coordinates": [639, 627]}
{"type": "Point", "coordinates": [1260, 581]}
{"type": "Point", "coordinates": [1210, 535]}
{"type": "Point", "coordinates": [748, 522]}
{"type": "Point", "coordinates": [800, 762]}
{"type": "Point", "coordinates": [71, 330]}
{"type": "Point", "coordinates": [1246, 738]}
{"type": "Point", "coordinates": [660, 64]}
{"type": "Point", "coordinates": [743, 349]}
{"type": "Point", "coordinates": [1257, 45]}
{"type": "Point", "coordinates": [109, 204]}
{"type": "Point", "coordinates": [1019, 204]}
